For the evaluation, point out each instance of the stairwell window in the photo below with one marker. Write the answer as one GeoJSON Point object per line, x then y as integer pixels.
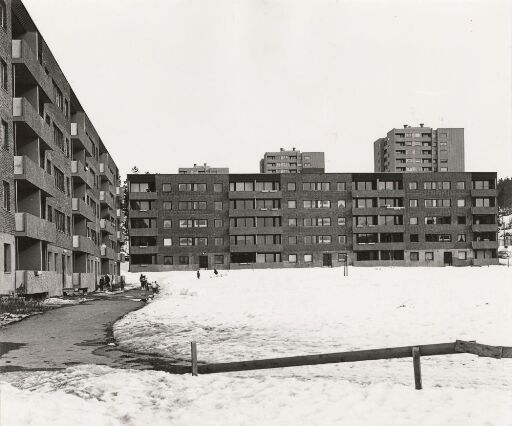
{"type": "Point", "coordinates": [3, 14]}
{"type": "Point", "coordinates": [3, 75]}
{"type": "Point", "coordinates": [7, 258]}
{"type": "Point", "coordinates": [6, 195]}
{"type": "Point", "coordinates": [4, 136]}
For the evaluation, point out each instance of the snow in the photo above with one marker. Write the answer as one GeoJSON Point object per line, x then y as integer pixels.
{"type": "Point", "coordinates": [269, 313]}
{"type": "Point", "coordinates": [57, 301]}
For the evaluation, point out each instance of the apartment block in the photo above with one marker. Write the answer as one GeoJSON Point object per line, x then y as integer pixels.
{"type": "Point", "coordinates": [60, 216]}
{"type": "Point", "coordinates": [292, 161]}
{"type": "Point", "coordinates": [202, 169]}
{"type": "Point", "coordinates": [420, 149]}
{"type": "Point", "coordinates": [234, 221]}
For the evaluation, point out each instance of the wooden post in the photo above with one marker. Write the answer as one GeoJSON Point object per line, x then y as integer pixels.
{"type": "Point", "coordinates": [193, 349]}
{"type": "Point", "coordinates": [417, 367]}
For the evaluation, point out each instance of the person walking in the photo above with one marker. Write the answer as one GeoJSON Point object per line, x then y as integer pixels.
{"type": "Point", "coordinates": [215, 271]}
{"type": "Point", "coordinates": [198, 274]}
{"type": "Point", "coordinates": [107, 281]}
{"type": "Point", "coordinates": [102, 283]}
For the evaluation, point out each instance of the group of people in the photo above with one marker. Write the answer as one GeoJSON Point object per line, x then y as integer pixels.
{"type": "Point", "coordinates": [199, 273]}
{"type": "Point", "coordinates": [107, 283]}
{"type": "Point", "coordinates": [146, 285]}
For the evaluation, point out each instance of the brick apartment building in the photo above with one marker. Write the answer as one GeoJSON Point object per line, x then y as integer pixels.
{"type": "Point", "coordinates": [420, 149]}
{"type": "Point", "coordinates": [186, 222]}
{"type": "Point", "coordinates": [292, 161]}
{"type": "Point", "coordinates": [202, 169]}
{"type": "Point", "coordinates": [59, 219]}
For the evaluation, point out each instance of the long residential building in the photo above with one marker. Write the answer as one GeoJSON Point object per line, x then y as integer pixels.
{"type": "Point", "coordinates": [420, 149]}
{"type": "Point", "coordinates": [60, 187]}
{"type": "Point", "coordinates": [292, 161]}
{"type": "Point", "coordinates": [186, 222]}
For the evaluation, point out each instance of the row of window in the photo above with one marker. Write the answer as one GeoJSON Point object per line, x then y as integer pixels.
{"type": "Point", "coordinates": [373, 238]}
{"type": "Point", "coordinates": [218, 259]}
{"type": "Point", "coordinates": [429, 202]}
{"type": "Point", "coordinates": [270, 239]}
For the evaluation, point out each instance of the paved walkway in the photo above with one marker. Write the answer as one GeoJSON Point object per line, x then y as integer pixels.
{"type": "Point", "coordinates": [70, 335]}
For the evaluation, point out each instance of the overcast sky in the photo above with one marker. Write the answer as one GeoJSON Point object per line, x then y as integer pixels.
{"type": "Point", "coordinates": [170, 83]}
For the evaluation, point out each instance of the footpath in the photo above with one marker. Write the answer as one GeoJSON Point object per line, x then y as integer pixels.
{"type": "Point", "coordinates": [71, 335]}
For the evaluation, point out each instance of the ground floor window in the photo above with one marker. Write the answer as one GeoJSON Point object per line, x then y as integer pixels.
{"type": "Point", "coordinates": [342, 257]}
{"type": "Point", "coordinates": [414, 256]}
{"type": "Point", "coordinates": [462, 255]}
{"type": "Point", "coordinates": [429, 255]}
{"type": "Point", "coordinates": [218, 259]}
{"type": "Point", "coordinates": [168, 260]}
{"type": "Point", "coordinates": [308, 258]}
{"type": "Point", "coordinates": [183, 260]}
{"type": "Point", "coordinates": [292, 258]}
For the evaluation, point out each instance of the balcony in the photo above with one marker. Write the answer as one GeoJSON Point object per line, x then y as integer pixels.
{"type": "Point", "coordinates": [484, 192]}
{"type": "Point", "coordinates": [78, 135]}
{"type": "Point", "coordinates": [79, 170]}
{"type": "Point", "coordinates": [80, 207]}
{"type": "Point", "coordinates": [484, 227]}
{"type": "Point", "coordinates": [248, 230]}
{"type": "Point", "coordinates": [120, 257]}
{"type": "Point", "coordinates": [34, 282]}
{"type": "Point", "coordinates": [108, 252]}
{"type": "Point", "coordinates": [270, 194]}
{"type": "Point", "coordinates": [375, 193]}
{"type": "Point", "coordinates": [378, 246]}
{"type": "Point", "coordinates": [30, 226]}
{"type": "Point", "coordinates": [144, 232]}
{"type": "Point", "coordinates": [143, 195]}
{"type": "Point", "coordinates": [84, 244]}
{"type": "Point", "coordinates": [120, 236]}
{"type": "Point", "coordinates": [105, 172]}
{"type": "Point", "coordinates": [106, 226]}
{"type": "Point", "coordinates": [256, 248]}
{"type": "Point", "coordinates": [119, 191]}
{"type": "Point", "coordinates": [143, 250]}
{"type": "Point", "coordinates": [26, 169]}
{"type": "Point", "coordinates": [264, 212]}
{"type": "Point", "coordinates": [378, 228]}
{"type": "Point", "coordinates": [142, 213]}
{"type": "Point", "coordinates": [23, 111]}
{"type": "Point", "coordinates": [106, 198]}
{"type": "Point", "coordinates": [23, 54]}
{"type": "Point", "coordinates": [484, 245]}
{"type": "Point", "coordinates": [484, 210]}
{"type": "Point", "coordinates": [371, 211]}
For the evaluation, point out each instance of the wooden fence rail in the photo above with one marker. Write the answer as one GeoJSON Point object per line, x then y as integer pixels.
{"type": "Point", "coordinates": [457, 347]}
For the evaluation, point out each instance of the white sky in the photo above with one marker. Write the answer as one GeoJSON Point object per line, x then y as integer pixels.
{"type": "Point", "coordinates": [169, 83]}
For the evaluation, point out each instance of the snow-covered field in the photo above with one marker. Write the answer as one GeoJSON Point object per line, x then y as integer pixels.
{"type": "Point", "coordinates": [270, 313]}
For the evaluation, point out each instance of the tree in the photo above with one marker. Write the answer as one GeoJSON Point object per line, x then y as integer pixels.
{"type": "Point", "coordinates": [505, 196]}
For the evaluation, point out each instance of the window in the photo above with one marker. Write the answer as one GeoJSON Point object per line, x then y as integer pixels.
{"type": "Point", "coordinates": [168, 260]}
{"type": "Point", "coordinates": [342, 239]}
{"type": "Point", "coordinates": [342, 204]}
{"type": "Point", "coordinates": [414, 238]}
{"type": "Point", "coordinates": [167, 242]}
{"type": "Point", "coordinates": [217, 223]}
{"type": "Point", "coordinates": [59, 100]}
{"type": "Point", "coordinates": [341, 221]}
{"type": "Point", "coordinates": [218, 241]}
{"type": "Point", "coordinates": [139, 187]}
{"type": "Point", "coordinates": [3, 75]}
{"type": "Point", "coordinates": [58, 138]}
{"type": "Point", "coordinates": [461, 220]}
{"type": "Point", "coordinates": [292, 221]}
{"type": "Point", "coordinates": [341, 186]}
{"type": "Point", "coordinates": [292, 239]}
{"type": "Point", "coordinates": [192, 205]}
{"type": "Point", "coordinates": [413, 185]}
{"type": "Point", "coordinates": [59, 179]}
{"type": "Point", "coordinates": [167, 223]}
{"type": "Point", "coordinates": [308, 258]}
{"type": "Point", "coordinates": [429, 255]}
{"type": "Point", "coordinates": [166, 187]}
{"type": "Point", "coordinates": [461, 238]}
{"type": "Point", "coordinates": [167, 205]}
{"type": "Point", "coordinates": [183, 260]}
{"type": "Point", "coordinates": [60, 221]}
{"type": "Point", "coordinates": [413, 221]}
{"type": "Point", "coordinates": [292, 204]}
{"type": "Point", "coordinates": [462, 255]}
{"type": "Point", "coordinates": [461, 202]}
{"type": "Point", "coordinates": [413, 203]}
{"type": "Point", "coordinates": [292, 258]}
{"type": "Point", "coordinates": [218, 259]}
{"type": "Point", "coordinates": [6, 196]}
{"type": "Point", "coordinates": [316, 186]}
{"type": "Point", "coordinates": [217, 187]}
{"type": "Point", "coordinates": [414, 256]}
{"type": "Point", "coordinates": [193, 187]}
{"type": "Point", "coordinates": [461, 185]}
{"type": "Point", "coordinates": [291, 186]}
{"type": "Point", "coordinates": [4, 137]}
{"type": "Point", "coordinates": [7, 258]}
{"type": "Point", "coordinates": [217, 205]}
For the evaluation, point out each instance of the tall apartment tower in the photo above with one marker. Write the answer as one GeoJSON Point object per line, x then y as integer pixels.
{"type": "Point", "coordinates": [292, 161]}
{"type": "Point", "coordinates": [202, 169]}
{"type": "Point", "coordinates": [420, 149]}
{"type": "Point", "coordinates": [59, 189]}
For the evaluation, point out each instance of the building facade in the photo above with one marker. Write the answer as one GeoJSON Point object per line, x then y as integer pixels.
{"type": "Point", "coordinates": [202, 169]}
{"type": "Point", "coordinates": [292, 161]}
{"type": "Point", "coordinates": [59, 221]}
{"type": "Point", "coordinates": [420, 149]}
{"type": "Point", "coordinates": [186, 222]}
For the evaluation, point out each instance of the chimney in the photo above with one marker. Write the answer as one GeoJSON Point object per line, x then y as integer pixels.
{"type": "Point", "coordinates": [293, 149]}
{"type": "Point", "coordinates": [281, 149]}
{"type": "Point", "coordinates": [405, 126]}
{"type": "Point", "coordinates": [422, 124]}
{"type": "Point", "coordinates": [195, 165]}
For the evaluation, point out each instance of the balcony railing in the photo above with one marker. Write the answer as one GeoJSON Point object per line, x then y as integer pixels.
{"type": "Point", "coordinates": [105, 171]}
{"type": "Point", "coordinates": [30, 226]}
{"type": "Point", "coordinates": [79, 206]}
{"type": "Point", "coordinates": [23, 110]}
{"type": "Point", "coordinates": [84, 244]}
{"type": "Point", "coordinates": [108, 252]}
{"type": "Point", "coordinates": [106, 226]}
{"type": "Point", "coordinates": [26, 169]}
{"type": "Point", "coordinates": [106, 198]}
{"type": "Point", "coordinates": [78, 134]}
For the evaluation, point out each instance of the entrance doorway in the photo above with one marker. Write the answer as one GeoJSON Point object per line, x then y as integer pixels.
{"type": "Point", "coordinates": [327, 259]}
{"type": "Point", "coordinates": [448, 258]}
{"type": "Point", "coordinates": [203, 262]}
